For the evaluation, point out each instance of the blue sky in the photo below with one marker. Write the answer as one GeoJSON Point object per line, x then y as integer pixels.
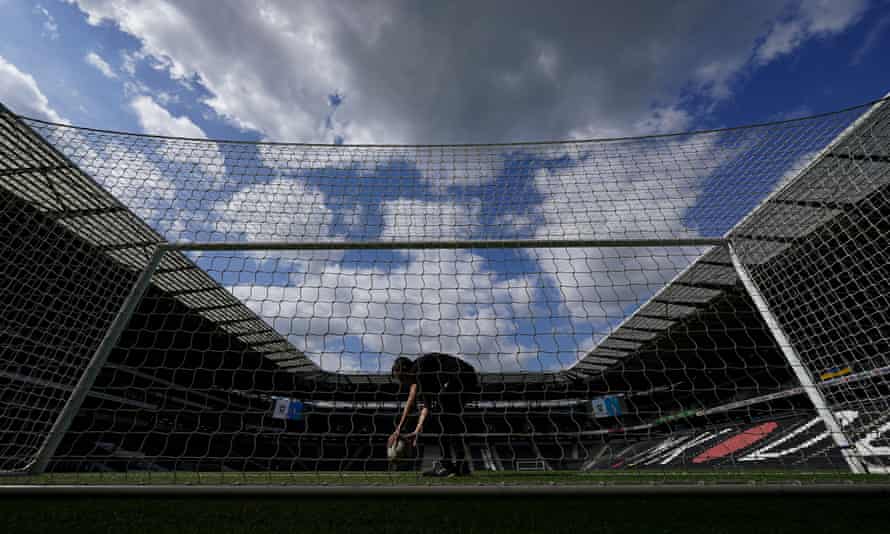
{"type": "Point", "coordinates": [833, 56]}
{"type": "Point", "coordinates": [416, 72]}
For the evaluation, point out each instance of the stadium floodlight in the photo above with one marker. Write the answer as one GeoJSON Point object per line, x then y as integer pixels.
{"type": "Point", "coordinates": [188, 310]}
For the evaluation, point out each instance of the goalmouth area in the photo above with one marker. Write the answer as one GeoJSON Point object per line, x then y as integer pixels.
{"type": "Point", "coordinates": [485, 483]}
{"type": "Point", "coordinates": [701, 312]}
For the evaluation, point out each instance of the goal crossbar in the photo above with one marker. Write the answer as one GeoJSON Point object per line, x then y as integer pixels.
{"type": "Point", "coordinates": [446, 245]}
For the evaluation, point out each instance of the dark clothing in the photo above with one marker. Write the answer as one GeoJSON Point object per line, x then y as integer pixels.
{"type": "Point", "coordinates": [445, 384]}
{"type": "Point", "coordinates": [444, 381]}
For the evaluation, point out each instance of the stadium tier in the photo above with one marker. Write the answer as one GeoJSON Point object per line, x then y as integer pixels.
{"type": "Point", "coordinates": [711, 302]}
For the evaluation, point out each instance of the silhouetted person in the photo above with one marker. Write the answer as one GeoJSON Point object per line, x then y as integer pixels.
{"type": "Point", "coordinates": [445, 384]}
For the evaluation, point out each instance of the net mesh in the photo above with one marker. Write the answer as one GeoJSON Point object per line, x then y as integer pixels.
{"type": "Point", "coordinates": [823, 272]}
{"type": "Point", "coordinates": [652, 188]}
{"type": "Point", "coordinates": [587, 283]}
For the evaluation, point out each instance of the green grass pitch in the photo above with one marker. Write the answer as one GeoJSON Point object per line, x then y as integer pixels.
{"type": "Point", "coordinates": [402, 478]}
{"type": "Point", "coordinates": [307, 512]}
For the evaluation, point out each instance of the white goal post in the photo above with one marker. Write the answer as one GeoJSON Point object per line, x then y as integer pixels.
{"type": "Point", "coordinates": [191, 310]}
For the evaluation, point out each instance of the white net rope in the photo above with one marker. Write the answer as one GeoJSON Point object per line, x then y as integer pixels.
{"type": "Point", "coordinates": [665, 187]}
{"type": "Point", "coordinates": [585, 282]}
{"type": "Point", "coordinates": [818, 254]}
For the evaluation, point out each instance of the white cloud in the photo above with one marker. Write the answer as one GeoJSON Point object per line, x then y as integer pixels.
{"type": "Point", "coordinates": [659, 120]}
{"type": "Point", "coordinates": [172, 184]}
{"type": "Point", "coordinates": [458, 301]}
{"type": "Point", "coordinates": [872, 38]}
{"type": "Point", "coordinates": [626, 189]}
{"type": "Point", "coordinates": [129, 61]}
{"type": "Point", "coordinates": [832, 16]}
{"type": "Point", "coordinates": [548, 60]}
{"type": "Point", "coordinates": [406, 219]}
{"type": "Point", "coordinates": [100, 64]}
{"type": "Point", "coordinates": [666, 119]}
{"type": "Point", "coordinates": [285, 159]}
{"type": "Point", "coordinates": [620, 190]}
{"type": "Point", "coordinates": [434, 301]}
{"type": "Point", "coordinates": [407, 77]}
{"type": "Point", "coordinates": [438, 301]}
{"type": "Point", "coordinates": [813, 19]}
{"type": "Point", "coordinates": [445, 300]}
{"type": "Point", "coordinates": [782, 39]}
{"type": "Point", "coordinates": [50, 28]}
{"type": "Point", "coordinates": [154, 119]}
{"type": "Point", "coordinates": [293, 36]}
{"type": "Point", "coordinates": [134, 87]}
{"type": "Point", "coordinates": [179, 180]}
{"type": "Point", "coordinates": [141, 183]}
{"type": "Point", "coordinates": [716, 78]}
{"type": "Point", "coordinates": [599, 286]}
{"type": "Point", "coordinates": [284, 209]}
{"type": "Point", "coordinates": [20, 93]}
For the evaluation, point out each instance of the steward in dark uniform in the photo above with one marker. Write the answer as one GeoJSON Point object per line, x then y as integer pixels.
{"type": "Point", "coordinates": [445, 384]}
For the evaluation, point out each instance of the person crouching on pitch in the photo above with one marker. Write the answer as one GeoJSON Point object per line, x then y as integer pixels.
{"type": "Point", "coordinates": [444, 383]}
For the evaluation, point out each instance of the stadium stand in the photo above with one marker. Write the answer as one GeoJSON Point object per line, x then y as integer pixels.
{"type": "Point", "coordinates": [192, 381]}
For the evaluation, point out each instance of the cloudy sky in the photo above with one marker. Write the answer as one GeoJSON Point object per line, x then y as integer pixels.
{"type": "Point", "coordinates": [437, 72]}
{"type": "Point", "coordinates": [440, 72]}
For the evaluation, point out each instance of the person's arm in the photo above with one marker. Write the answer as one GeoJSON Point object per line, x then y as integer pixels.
{"type": "Point", "coordinates": [409, 406]}
{"type": "Point", "coordinates": [424, 412]}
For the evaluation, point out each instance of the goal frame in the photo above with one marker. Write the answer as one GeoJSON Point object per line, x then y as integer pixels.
{"type": "Point", "coordinates": [137, 292]}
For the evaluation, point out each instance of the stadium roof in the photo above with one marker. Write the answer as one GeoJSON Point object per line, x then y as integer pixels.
{"type": "Point", "coordinates": [35, 171]}
{"type": "Point", "coordinates": [792, 214]}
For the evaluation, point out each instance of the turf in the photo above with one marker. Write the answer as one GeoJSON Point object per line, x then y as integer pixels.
{"type": "Point", "coordinates": [454, 514]}
{"type": "Point", "coordinates": [402, 478]}
{"type": "Point", "coordinates": [653, 515]}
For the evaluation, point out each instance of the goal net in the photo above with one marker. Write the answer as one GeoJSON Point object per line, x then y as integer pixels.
{"type": "Point", "coordinates": [182, 310]}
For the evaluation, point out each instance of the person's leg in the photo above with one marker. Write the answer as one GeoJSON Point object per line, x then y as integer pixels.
{"type": "Point", "coordinates": [453, 443]}
{"type": "Point", "coordinates": [465, 464]}
{"type": "Point", "coordinates": [439, 422]}
{"type": "Point", "coordinates": [446, 447]}
{"type": "Point", "coordinates": [448, 452]}
{"type": "Point", "coordinates": [462, 463]}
